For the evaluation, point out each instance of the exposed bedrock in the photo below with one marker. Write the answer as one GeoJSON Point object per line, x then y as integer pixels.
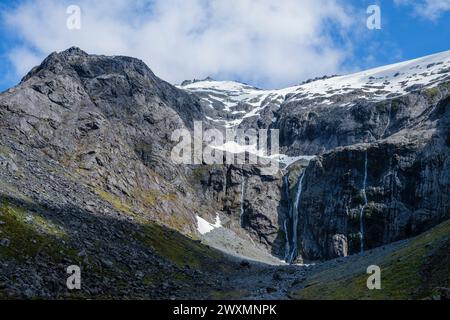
{"type": "Point", "coordinates": [407, 189]}
{"type": "Point", "coordinates": [313, 130]}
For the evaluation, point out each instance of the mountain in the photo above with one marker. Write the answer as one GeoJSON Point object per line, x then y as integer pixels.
{"type": "Point", "coordinates": [80, 138]}
{"type": "Point", "coordinates": [380, 140]}
{"type": "Point", "coordinates": [242, 102]}
{"type": "Point", "coordinates": [87, 178]}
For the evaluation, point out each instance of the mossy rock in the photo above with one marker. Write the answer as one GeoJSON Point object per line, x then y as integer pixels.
{"type": "Point", "coordinates": [432, 92]}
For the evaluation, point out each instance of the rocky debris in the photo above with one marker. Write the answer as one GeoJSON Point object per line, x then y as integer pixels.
{"type": "Point", "coordinates": [339, 245]}
{"type": "Point", "coordinates": [271, 290]}
{"type": "Point", "coordinates": [444, 293]}
{"type": "Point", "coordinates": [8, 164]}
{"type": "Point", "coordinates": [5, 242]}
{"type": "Point", "coordinates": [240, 246]}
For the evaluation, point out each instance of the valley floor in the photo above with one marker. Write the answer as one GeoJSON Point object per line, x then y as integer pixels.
{"type": "Point", "coordinates": [417, 268]}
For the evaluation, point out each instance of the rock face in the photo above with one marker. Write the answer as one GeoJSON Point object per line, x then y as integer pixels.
{"type": "Point", "coordinates": [395, 116]}
{"type": "Point", "coordinates": [94, 132]}
{"type": "Point", "coordinates": [85, 173]}
{"type": "Point", "coordinates": [108, 120]}
{"type": "Point", "coordinates": [407, 193]}
{"type": "Point", "coordinates": [406, 188]}
{"type": "Point", "coordinates": [250, 199]}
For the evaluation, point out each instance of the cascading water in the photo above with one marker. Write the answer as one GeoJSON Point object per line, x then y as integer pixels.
{"type": "Point", "coordinates": [242, 202]}
{"type": "Point", "coordinates": [361, 213]}
{"type": "Point", "coordinates": [285, 224]}
{"type": "Point", "coordinates": [290, 225]}
{"type": "Point", "coordinates": [295, 214]}
{"type": "Point", "coordinates": [388, 121]}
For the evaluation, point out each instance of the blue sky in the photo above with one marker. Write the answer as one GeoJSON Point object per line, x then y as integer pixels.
{"type": "Point", "coordinates": [406, 34]}
{"type": "Point", "coordinates": [267, 43]}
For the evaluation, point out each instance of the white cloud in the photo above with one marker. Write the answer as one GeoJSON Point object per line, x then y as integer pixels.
{"type": "Point", "coordinates": [270, 42]}
{"type": "Point", "coordinates": [23, 60]}
{"type": "Point", "coordinates": [430, 9]}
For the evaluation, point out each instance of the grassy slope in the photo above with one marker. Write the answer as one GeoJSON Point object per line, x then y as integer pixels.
{"type": "Point", "coordinates": [28, 239]}
{"type": "Point", "coordinates": [41, 237]}
{"type": "Point", "coordinates": [170, 244]}
{"type": "Point", "coordinates": [412, 270]}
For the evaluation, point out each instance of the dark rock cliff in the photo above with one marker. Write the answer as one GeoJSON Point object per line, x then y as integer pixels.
{"type": "Point", "coordinates": [407, 186]}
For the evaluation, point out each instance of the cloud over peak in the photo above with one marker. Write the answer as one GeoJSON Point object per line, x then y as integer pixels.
{"type": "Point", "coordinates": [264, 42]}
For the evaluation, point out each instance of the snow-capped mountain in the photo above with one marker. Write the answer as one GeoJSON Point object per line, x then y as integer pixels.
{"type": "Point", "coordinates": [231, 103]}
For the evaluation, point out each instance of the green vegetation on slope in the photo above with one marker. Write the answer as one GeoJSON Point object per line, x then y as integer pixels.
{"type": "Point", "coordinates": [29, 236]}
{"type": "Point", "coordinates": [414, 271]}
{"type": "Point", "coordinates": [168, 243]}
{"type": "Point", "coordinates": [181, 250]}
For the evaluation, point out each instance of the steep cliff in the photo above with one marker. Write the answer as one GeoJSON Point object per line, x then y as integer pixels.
{"type": "Point", "coordinates": [380, 141]}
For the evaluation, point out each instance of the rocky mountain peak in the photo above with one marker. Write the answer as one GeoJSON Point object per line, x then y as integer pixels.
{"type": "Point", "coordinates": [74, 51]}
{"type": "Point", "coordinates": [115, 82]}
{"type": "Point", "coordinates": [188, 82]}
{"type": "Point", "coordinates": [90, 66]}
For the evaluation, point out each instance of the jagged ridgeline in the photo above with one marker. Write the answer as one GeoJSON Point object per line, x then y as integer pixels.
{"type": "Point", "coordinates": [86, 176]}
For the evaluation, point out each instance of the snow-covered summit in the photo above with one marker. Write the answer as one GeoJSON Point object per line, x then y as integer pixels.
{"type": "Point", "coordinates": [238, 101]}
{"type": "Point", "coordinates": [384, 82]}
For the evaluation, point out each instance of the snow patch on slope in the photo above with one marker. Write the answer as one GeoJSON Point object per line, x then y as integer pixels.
{"type": "Point", "coordinates": [204, 227]}
{"type": "Point", "coordinates": [382, 82]}
{"type": "Point", "coordinates": [283, 159]}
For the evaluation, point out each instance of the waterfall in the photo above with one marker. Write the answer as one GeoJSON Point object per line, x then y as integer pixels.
{"type": "Point", "coordinates": [285, 224]}
{"type": "Point", "coordinates": [361, 213]}
{"type": "Point", "coordinates": [242, 202]}
{"type": "Point", "coordinates": [290, 224]}
{"type": "Point", "coordinates": [388, 121]}
{"type": "Point", "coordinates": [294, 215]}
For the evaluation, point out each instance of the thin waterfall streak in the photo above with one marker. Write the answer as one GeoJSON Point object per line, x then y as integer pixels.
{"type": "Point", "coordinates": [295, 214]}
{"type": "Point", "coordinates": [388, 122]}
{"type": "Point", "coordinates": [242, 203]}
{"type": "Point", "coordinates": [361, 213]}
{"type": "Point", "coordinates": [285, 224]}
{"type": "Point", "coordinates": [287, 246]}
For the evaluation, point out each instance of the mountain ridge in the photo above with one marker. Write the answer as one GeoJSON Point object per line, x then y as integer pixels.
{"type": "Point", "coordinates": [378, 83]}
